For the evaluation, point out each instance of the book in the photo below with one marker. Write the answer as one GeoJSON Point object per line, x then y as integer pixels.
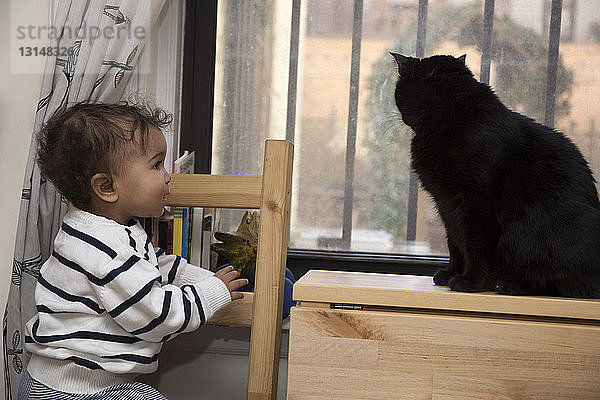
{"type": "Point", "coordinates": [184, 227]}
{"type": "Point", "coordinates": [185, 163]}
{"type": "Point", "coordinates": [165, 232]}
{"type": "Point", "coordinates": [178, 231]}
{"type": "Point", "coordinates": [201, 233]}
{"type": "Point", "coordinates": [155, 232]}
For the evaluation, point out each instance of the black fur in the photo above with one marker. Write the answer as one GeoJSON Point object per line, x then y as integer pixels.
{"type": "Point", "coordinates": [517, 198]}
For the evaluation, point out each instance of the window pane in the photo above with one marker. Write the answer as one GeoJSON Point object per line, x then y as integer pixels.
{"type": "Point", "coordinates": [251, 100]}
{"type": "Point", "coordinates": [251, 81]}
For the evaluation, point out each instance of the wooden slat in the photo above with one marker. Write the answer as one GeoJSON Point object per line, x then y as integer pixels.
{"type": "Point", "coordinates": [219, 191]}
{"type": "Point", "coordinates": [419, 292]}
{"type": "Point", "coordinates": [236, 313]}
{"type": "Point", "coordinates": [265, 339]}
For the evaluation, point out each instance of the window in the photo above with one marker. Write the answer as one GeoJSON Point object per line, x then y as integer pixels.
{"type": "Point", "coordinates": [319, 73]}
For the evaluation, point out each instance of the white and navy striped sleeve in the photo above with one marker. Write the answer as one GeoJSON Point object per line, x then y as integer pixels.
{"type": "Point", "coordinates": [138, 300]}
{"type": "Point", "coordinates": [177, 271]}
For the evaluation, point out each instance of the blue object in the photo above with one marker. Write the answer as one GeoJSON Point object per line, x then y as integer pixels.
{"type": "Point", "coordinates": [289, 275]}
{"type": "Point", "coordinates": [288, 303]}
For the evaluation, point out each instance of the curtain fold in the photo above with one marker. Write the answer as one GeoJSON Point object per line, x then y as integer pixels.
{"type": "Point", "coordinates": [104, 41]}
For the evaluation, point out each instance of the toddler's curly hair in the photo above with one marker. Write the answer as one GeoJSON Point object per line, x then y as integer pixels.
{"type": "Point", "coordinates": [89, 138]}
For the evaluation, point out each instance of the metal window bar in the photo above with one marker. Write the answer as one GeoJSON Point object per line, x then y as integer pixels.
{"type": "Point", "coordinates": [486, 45]}
{"type": "Point", "coordinates": [293, 72]}
{"type": "Point", "coordinates": [421, 28]}
{"type": "Point", "coordinates": [413, 184]}
{"type": "Point", "coordinates": [553, 47]}
{"type": "Point", "coordinates": [352, 122]}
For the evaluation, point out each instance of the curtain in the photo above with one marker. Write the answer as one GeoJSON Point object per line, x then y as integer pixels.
{"type": "Point", "coordinates": [98, 45]}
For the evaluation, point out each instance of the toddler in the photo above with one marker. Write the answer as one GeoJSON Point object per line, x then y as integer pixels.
{"type": "Point", "coordinates": [106, 299]}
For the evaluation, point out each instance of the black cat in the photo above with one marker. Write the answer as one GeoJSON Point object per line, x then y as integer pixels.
{"type": "Point", "coordinates": [517, 198]}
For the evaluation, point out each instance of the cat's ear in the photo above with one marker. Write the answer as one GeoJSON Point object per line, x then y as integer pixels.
{"type": "Point", "coordinates": [463, 59]}
{"type": "Point", "coordinates": [400, 59]}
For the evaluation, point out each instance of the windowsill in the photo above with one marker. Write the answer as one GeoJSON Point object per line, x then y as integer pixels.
{"type": "Point", "coordinates": [299, 261]}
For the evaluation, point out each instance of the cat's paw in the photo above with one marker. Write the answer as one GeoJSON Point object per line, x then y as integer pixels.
{"type": "Point", "coordinates": [460, 283]}
{"type": "Point", "coordinates": [442, 277]}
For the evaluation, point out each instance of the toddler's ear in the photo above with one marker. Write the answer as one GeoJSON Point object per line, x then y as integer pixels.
{"type": "Point", "coordinates": [103, 187]}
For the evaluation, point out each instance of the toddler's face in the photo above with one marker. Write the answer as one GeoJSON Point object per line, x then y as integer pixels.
{"type": "Point", "coordinates": [144, 183]}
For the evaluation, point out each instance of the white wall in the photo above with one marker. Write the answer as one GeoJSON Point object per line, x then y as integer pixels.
{"type": "Point", "coordinates": [18, 98]}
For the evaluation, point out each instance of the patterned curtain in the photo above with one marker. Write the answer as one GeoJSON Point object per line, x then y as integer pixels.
{"type": "Point", "coordinates": [99, 45]}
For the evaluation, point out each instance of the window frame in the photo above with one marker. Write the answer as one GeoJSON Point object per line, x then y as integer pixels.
{"type": "Point", "coordinates": [198, 81]}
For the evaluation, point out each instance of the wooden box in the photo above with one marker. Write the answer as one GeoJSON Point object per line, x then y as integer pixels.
{"type": "Point", "coordinates": [377, 336]}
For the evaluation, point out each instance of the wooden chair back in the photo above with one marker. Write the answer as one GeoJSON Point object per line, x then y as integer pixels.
{"type": "Point", "coordinates": [261, 310]}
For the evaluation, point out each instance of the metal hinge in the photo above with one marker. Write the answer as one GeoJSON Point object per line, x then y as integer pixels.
{"type": "Point", "coordinates": [345, 306]}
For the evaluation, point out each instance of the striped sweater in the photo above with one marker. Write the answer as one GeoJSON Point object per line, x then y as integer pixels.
{"type": "Point", "coordinates": [106, 303]}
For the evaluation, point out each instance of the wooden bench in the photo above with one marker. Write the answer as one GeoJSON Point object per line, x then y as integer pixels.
{"type": "Point", "coordinates": [379, 336]}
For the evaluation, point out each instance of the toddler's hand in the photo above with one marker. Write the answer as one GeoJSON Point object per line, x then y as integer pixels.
{"type": "Point", "coordinates": [229, 277]}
